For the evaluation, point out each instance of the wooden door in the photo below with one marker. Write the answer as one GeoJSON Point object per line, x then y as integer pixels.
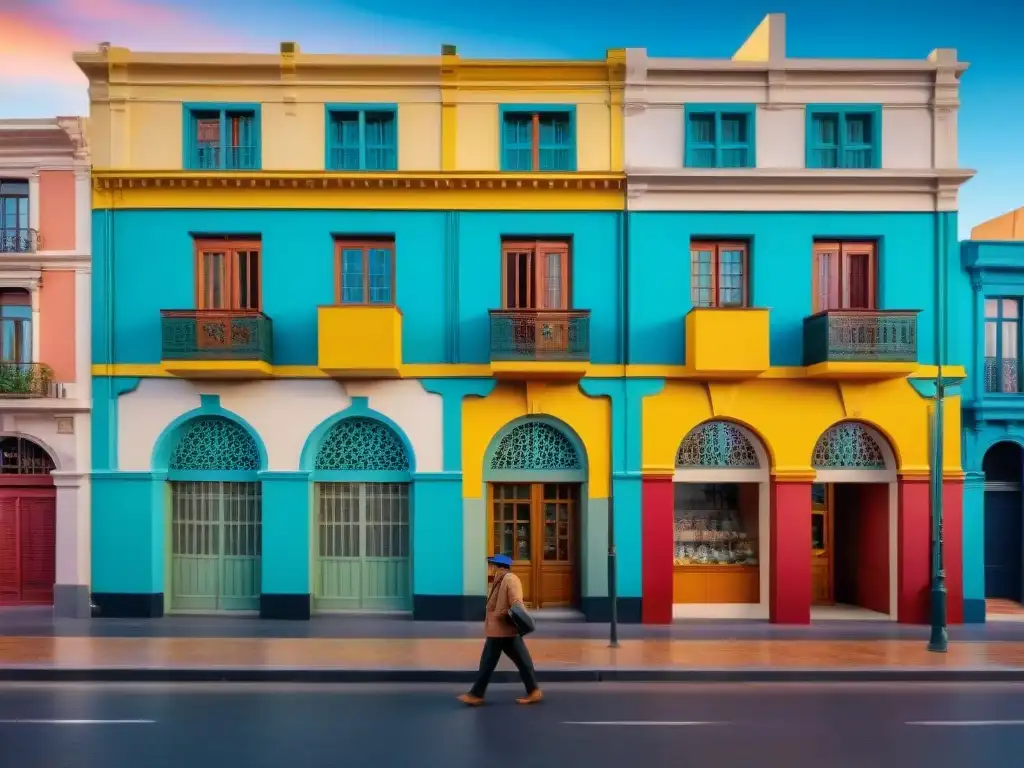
{"type": "Point", "coordinates": [537, 525]}
{"type": "Point", "coordinates": [27, 548]}
{"type": "Point", "coordinates": [822, 592]}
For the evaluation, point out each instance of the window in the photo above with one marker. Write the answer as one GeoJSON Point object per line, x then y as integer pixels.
{"type": "Point", "coordinates": [362, 138]}
{"type": "Point", "coordinates": [1002, 345]}
{"type": "Point", "coordinates": [719, 136]}
{"type": "Point", "coordinates": [366, 271]}
{"type": "Point", "coordinates": [844, 276]}
{"type": "Point", "coordinates": [222, 137]}
{"type": "Point", "coordinates": [15, 326]}
{"type": "Point", "coordinates": [228, 274]}
{"type": "Point", "coordinates": [14, 217]}
{"type": "Point", "coordinates": [535, 275]}
{"type": "Point", "coordinates": [538, 139]}
{"type": "Point", "coordinates": [844, 137]}
{"type": "Point", "coordinates": [718, 274]}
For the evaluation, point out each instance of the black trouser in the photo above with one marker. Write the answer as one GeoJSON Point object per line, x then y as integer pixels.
{"type": "Point", "coordinates": [515, 649]}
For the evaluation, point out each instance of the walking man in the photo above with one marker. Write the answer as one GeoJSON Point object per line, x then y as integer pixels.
{"type": "Point", "coordinates": [502, 636]}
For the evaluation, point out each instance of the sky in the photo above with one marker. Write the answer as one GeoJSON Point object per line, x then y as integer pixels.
{"type": "Point", "coordinates": [38, 78]}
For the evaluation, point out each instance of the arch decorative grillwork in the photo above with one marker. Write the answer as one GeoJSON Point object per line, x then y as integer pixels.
{"type": "Point", "coordinates": [362, 443]}
{"type": "Point", "coordinates": [217, 444]}
{"type": "Point", "coordinates": [538, 446]}
{"type": "Point", "coordinates": [717, 444]}
{"type": "Point", "coordinates": [19, 456]}
{"type": "Point", "coordinates": [848, 446]}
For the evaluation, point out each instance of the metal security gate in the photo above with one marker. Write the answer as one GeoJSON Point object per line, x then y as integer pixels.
{"type": "Point", "coordinates": [216, 546]}
{"type": "Point", "coordinates": [27, 548]}
{"type": "Point", "coordinates": [362, 546]}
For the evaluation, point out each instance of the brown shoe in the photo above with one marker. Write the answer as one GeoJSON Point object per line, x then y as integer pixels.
{"type": "Point", "coordinates": [470, 700]}
{"type": "Point", "coordinates": [532, 698]}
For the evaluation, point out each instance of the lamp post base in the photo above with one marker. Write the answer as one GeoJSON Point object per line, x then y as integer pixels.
{"type": "Point", "coordinates": [938, 641]}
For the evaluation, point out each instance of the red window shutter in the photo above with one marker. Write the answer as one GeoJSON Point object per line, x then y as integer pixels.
{"type": "Point", "coordinates": [38, 542]}
{"type": "Point", "coordinates": [10, 567]}
{"type": "Point", "coordinates": [858, 265]}
{"type": "Point", "coordinates": [826, 279]}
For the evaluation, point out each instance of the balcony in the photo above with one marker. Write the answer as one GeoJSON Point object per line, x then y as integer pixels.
{"type": "Point", "coordinates": [861, 343]}
{"type": "Point", "coordinates": [28, 380]}
{"type": "Point", "coordinates": [216, 343]}
{"type": "Point", "coordinates": [527, 343]}
{"type": "Point", "coordinates": [19, 240]}
{"type": "Point", "coordinates": [727, 342]}
{"type": "Point", "coordinates": [359, 341]}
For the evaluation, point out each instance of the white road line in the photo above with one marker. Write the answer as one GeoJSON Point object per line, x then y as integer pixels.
{"type": "Point", "coordinates": [964, 723]}
{"type": "Point", "coordinates": [642, 722]}
{"type": "Point", "coordinates": [25, 721]}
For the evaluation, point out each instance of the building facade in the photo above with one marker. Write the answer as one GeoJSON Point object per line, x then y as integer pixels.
{"type": "Point", "coordinates": [45, 378]}
{"type": "Point", "coordinates": [359, 322]}
{"type": "Point", "coordinates": [794, 215]}
{"type": "Point", "coordinates": [993, 420]}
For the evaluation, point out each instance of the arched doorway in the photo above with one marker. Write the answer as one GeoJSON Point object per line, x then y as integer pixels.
{"type": "Point", "coordinates": [536, 477]}
{"type": "Point", "coordinates": [1004, 530]}
{"type": "Point", "coordinates": [362, 475]}
{"type": "Point", "coordinates": [720, 521]}
{"type": "Point", "coordinates": [853, 523]}
{"type": "Point", "coordinates": [216, 536]}
{"type": "Point", "coordinates": [28, 522]}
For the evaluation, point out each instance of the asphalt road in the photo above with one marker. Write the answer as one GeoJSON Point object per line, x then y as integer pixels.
{"type": "Point", "coordinates": [598, 725]}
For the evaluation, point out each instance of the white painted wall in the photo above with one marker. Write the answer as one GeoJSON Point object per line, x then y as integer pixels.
{"type": "Point", "coordinates": [283, 412]}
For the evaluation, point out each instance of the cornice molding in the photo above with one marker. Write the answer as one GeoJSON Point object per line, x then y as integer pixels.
{"type": "Point", "coordinates": [581, 182]}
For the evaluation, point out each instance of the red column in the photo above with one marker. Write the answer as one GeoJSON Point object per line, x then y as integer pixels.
{"type": "Point", "coordinates": [913, 545]}
{"type": "Point", "coordinates": [789, 599]}
{"type": "Point", "coordinates": [953, 548]}
{"type": "Point", "coordinates": [658, 550]}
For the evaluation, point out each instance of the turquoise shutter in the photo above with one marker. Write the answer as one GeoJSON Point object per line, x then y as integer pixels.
{"type": "Point", "coordinates": [825, 141]}
{"type": "Point", "coordinates": [700, 141]}
{"type": "Point", "coordinates": [244, 155]}
{"type": "Point", "coordinates": [857, 149]}
{"type": "Point", "coordinates": [345, 154]}
{"type": "Point", "coordinates": [352, 288]}
{"type": "Point", "coordinates": [207, 130]}
{"type": "Point", "coordinates": [555, 147]}
{"type": "Point", "coordinates": [380, 276]}
{"type": "Point", "coordinates": [381, 141]}
{"type": "Point", "coordinates": [734, 144]}
{"type": "Point", "coordinates": [517, 143]}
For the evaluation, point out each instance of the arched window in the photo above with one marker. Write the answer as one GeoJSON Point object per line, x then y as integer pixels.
{"type": "Point", "coordinates": [20, 456]}
{"type": "Point", "coordinates": [848, 445]}
{"type": "Point", "coordinates": [362, 443]}
{"type": "Point", "coordinates": [537, 446]}
{"type": "Point", "coordinates": [719, 445]}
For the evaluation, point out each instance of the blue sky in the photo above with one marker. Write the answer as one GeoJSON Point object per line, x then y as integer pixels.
{"type": "Point", "coordinates": [37, 35]}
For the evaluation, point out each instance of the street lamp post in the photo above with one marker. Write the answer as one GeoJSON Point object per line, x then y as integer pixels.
{"type": "Point", "coordinates": [938, 641]}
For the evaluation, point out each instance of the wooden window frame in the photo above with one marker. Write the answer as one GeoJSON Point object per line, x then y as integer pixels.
{"type": "Point", "coordinates": [844, 249]}
{"type": "Point", "coordinates": [719, 111]}
{"type": "Point", "coordinates": [362, 110]}
{"type": "Point", "coordinates": [716, 247]}
{"type": "Point", "coordinates": [841, 112]}
{"type": "Point", "coordinates": [231, 247]}
{"type": "Point", "coordinates": [366, 244]}
{"type": "Point", "coordinates": [536, 112]}
{"type": "Point", "coordinates": [535, 248]}
{"type": "Point", "coordinates": [999, 321]}
{"type": "Point", "coordinates": [225, 111]}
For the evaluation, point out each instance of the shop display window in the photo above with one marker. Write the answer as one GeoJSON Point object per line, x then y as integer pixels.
{"type": "Point", "coordinates": [716, 524]}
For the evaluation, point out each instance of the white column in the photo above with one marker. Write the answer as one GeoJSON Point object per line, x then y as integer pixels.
{"type": "Point", "coordinates": [34, 294]}
{"type": "Point", "coordinates": [33, 201]}
{"type": "Point", "coordinates": [83, 211]}
{"type": "Point", "coordinates": [71, 586]}
{"type": "Point", "coordinates": [83, 339]}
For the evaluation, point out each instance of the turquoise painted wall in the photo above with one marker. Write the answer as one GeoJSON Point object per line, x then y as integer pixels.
{"type": "Point", "coordinates": [448, 269]}
{"type": "Point", "coordinates": [781, 277]}
{"type": "Point", "coordinates": [437, 534]}
{"type": "Point", "coordinates": [128, 532]}
{"type": "Point", "coordinates": [287, 529]}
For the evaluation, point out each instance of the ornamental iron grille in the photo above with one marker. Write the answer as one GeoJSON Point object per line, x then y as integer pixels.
{"type": "Point", "coordinates": [19, 456]}
{"type": "Point", "coordinates": [847, 335]}
{"type": "Point", "coordinates": [848, 446]}
{"type": "Point", "coordinates": [362, 443]}
{"type": "Point", "coordinates": [536, 446]}
{"type": "Point", "coordinates": [216, 334]}
{"type": "Point", "coordinates": [214, 443]}
{"type": "Point", "coordinates": [717, 444]}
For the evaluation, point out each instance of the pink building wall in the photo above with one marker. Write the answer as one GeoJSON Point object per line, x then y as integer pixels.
{"type": "Point", "coordinates": [57, 323]}
{"type": "Point", "coordinates": [57, 210]}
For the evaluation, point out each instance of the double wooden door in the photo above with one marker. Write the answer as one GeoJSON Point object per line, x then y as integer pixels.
{"type": "Point", "coordinates": [27, 547]}
{"type": "Point", "coordinates": [537, 525]}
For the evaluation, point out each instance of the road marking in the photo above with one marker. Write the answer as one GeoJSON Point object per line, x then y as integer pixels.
{"type": "Point", "coordinates": [24, 721]}
{"type": "Point", "coordinates": [964, 723]}
{"type": "Point", "coordinates": [642, 722]}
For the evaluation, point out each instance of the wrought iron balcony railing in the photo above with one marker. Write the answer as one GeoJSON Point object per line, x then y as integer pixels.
{"type": "Point", "coordinates": [28, 380]}
{"type": "Point", "coordinates": [861, 335]}
{"type": "Point", "coordinates": [216, 334]}
{"type": "Point", "coordinates": [240, 158]}
{"type": "Point", "coordinates": [19, 240]}
{"type": "Point", "coordinates": [1002, 375]}
{"type": "Point", "coordinates": [540, 334]}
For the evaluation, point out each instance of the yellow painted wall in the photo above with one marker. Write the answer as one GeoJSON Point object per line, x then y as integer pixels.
{"type": "Point", "coordinates": [477, 148]}
{"type": "Point", "coordinates": [294, 136]}
{"type": "Point", "coordinates": [790, 416]}
{"type": "Point", "coordinates": [419, 137]}
{"type": "Point", "coordinates": [155, 131]}
{"type": "Point", "coordinates": [483, 418]}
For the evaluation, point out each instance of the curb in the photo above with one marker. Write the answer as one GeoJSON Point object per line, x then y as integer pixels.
{"type": "Point", "coordinates": [753, 675]}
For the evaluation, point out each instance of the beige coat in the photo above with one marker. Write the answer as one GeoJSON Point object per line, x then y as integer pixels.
{"type": "Point", "coordinates": [508, 592]}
